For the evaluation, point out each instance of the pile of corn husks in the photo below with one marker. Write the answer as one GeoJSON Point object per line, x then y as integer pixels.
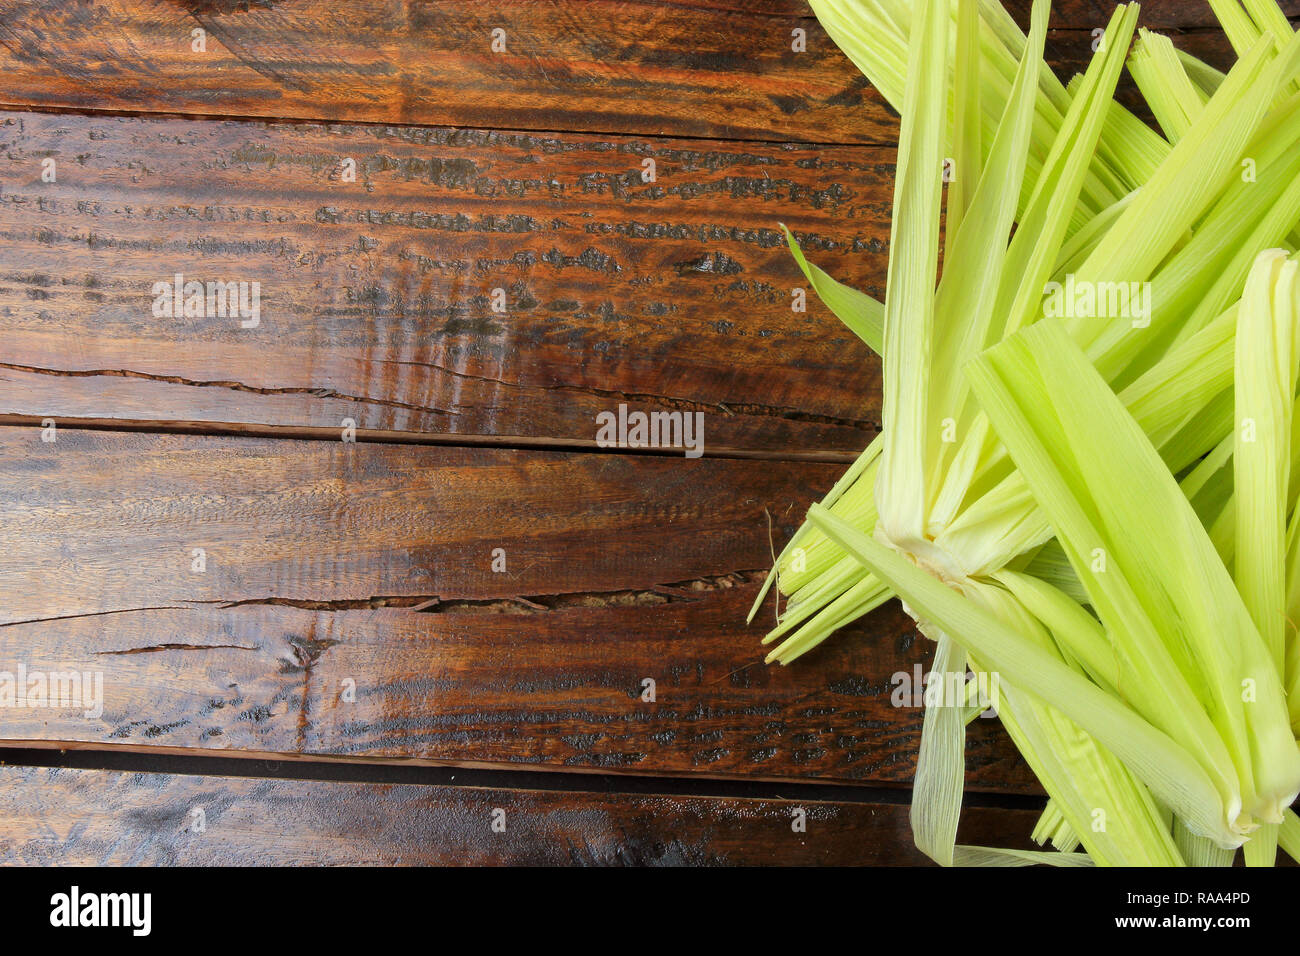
{"type": "Point", "coordinates": [1086, 483]}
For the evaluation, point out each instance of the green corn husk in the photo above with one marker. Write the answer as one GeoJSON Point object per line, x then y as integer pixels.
{"type": "Point", "coordinates": [994, 486]}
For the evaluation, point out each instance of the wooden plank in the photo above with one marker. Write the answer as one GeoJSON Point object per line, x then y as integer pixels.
{"type": "Point", "coordinates": [97, 818]}
{"type": "Point", "coordinates": [712, 69]}
{"type": "Point", "coordinates": [618, 67]}
{"type": "Point", "coordinates": [322, 547]}
{"type": "Point", "coordinates": [102, 521]}
{"type": "Point", "coordinates": [376, 296]}
{"type": "Point", "coordinates": [562, 687]}
{"type": "Point", "coordinates": [719, 70]}
{"type": "Point", "coordinates": [1156, 14]}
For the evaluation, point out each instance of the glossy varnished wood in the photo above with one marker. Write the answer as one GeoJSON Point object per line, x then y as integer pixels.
{"type": "Point", "coordinates": [696, 69]}
{"type": "Point", "coordinates": [376, 295]}
{"type": "Point", "coordinates": [96, 817]}
{"type": "Point", "coordinates": [557, 684]}
{"type": "Point", "coordinates": [348, 609]}
{"type": "Point", "coordinates": [99, 522]}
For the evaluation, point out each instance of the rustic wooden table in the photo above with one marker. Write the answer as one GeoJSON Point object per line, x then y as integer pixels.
{"type": "Point", "coordinates": [316, 650]}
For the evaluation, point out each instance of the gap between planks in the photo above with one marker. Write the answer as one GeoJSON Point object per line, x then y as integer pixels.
{"type": "Point", "coordinates": [60, 815]}
{"type": "Point", "coordinates": [385, 437]}
{"type": "Point", "coordinates": [277, 766]}
{"type": "Point", "coordinates": [101, 112]}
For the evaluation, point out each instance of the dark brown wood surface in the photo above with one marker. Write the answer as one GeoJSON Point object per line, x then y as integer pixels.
{"type": "Point", "coordinates": [719, 70]}
{"type": "Point", "coordinates": [557, 687]}
{"type": "Point", "coordinates": [318, 554]}
{"type": "Point", "coordinates": [100, 522]}
{"type": "Point", "coordinates": [97, 817]}
{"type": "Point", "coordinates": [376, 294]}
{"type": "Point", "coordinates": [332, 566]}
{"type": "Point", "coordinates": [615, 67]}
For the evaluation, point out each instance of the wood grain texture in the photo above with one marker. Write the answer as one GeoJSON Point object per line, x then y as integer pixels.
{"type": "Point", "coordinates": [376, 294]}
{"type": "Point", "coordinates": [616, 67]}
{"type": "Point", "coordinates": [100, 522]}
{"type": "Point", "coordinates": [712, 69]}
{"type": "Point", "coordinates": [318, 554]}
{"type": "Point", "coordinates": [559, 685]}
{"type": "Point", "coordinates": [96, 818]}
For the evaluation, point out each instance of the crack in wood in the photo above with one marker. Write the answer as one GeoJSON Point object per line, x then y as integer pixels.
{"type": "Point", "coordinates": [670, 401]}
{"type": "Point", "coordinates": [672, 593]}
{"type": "Point", "coordinates": [69, 617]}
{"type": "Point", "coordinates": [655, 594]}
{"type": "Point", "coordinates": [180, 647]}
{"type": "Point", "coordinates": [318, 391]}
{"type": "Point", "coordinates": [683, 404]}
